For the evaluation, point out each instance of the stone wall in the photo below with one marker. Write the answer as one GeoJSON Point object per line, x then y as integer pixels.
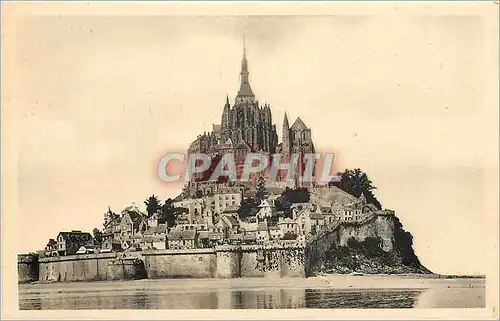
{"type": "Point", "coordinates": [194, 263]}
{"type": "Point", "coordinates": [27, 268]}
{"type": "Point", "coordinates": [375, 226]}
{"type": "Point", "coordinates": [126, 269]}
{"type": "Point", "coordinates": [88, 267]}
{"type": "Point", "coordinates": [272, 261]}
{"type": "Point", "coordinates": [380, 226]}
{"type": "Point", "coordinates": [283, 260]}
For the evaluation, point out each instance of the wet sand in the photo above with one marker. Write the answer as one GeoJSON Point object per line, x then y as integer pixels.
{"type": "Point", "coordinates": [319, 282]}
{"type": "Point", "coordinates": [323, 292]}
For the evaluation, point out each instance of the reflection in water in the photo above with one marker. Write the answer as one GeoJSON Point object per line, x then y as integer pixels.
{"type": "Point", "coordinates": [285, 298]}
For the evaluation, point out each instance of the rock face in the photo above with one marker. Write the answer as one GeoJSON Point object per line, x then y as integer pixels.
{"type": "Point", "coordinates": [377, 246]}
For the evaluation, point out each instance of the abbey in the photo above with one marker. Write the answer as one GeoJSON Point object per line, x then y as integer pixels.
{"type": "Point", "coordinates": [247, 127]}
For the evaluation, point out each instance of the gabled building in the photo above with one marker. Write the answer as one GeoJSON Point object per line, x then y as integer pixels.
{"type": "Point", "coordinates": [303, 222]}
{"type": "Point", "coordinates": [178, 239]}
{"type": "Point", "coordinates": [287, 225]}
{"type": "Point", "coordinates": [111, 245]}
{"type": "Point", "coordinates": [132, 218]}
{"type": "Point", "coordinates": [265, 211]}
{"type": "Point", "coordinates": [51, 248]}
{"type": "Point", "coordinates": [68, 243]}
{"type": "Point", "coordinates": [227, 225]}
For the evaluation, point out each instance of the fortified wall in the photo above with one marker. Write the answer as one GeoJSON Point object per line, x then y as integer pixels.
{"type": "Point", "coordinates": [283, 260]}
{"type": "Point", "coordinates": [27, 268]}
{"type": "Point", "coordinates": [87, 267]}
{"type": "Point", "coordinates": [228, 261]}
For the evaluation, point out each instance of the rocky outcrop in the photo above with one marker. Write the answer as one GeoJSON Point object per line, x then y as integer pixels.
{"type": "Point", "coordinates": [377, 245]}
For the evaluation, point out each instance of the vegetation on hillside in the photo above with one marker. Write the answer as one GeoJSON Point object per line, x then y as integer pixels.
{"type": "Point", "coordinates": [365, 257]}
{"type": "Point", "coordinates": [356, 182]}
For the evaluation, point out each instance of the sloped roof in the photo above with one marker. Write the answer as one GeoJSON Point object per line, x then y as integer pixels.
{"type": "Point", "coordinates": [76, 236]}
{"type": "Point", "coordinates": [160, 229]}
{"type": "Point", "coordinates": [182, 235]}
{"type": "Point", "coordinates": [231, 220]}
{"type": "Point", "coordinates": [286, 220]}
{"type": "Point", "coordinates": [298, 125]}
{"type": "Point", "coordinates": [273, 228]}
{"type": "Point", "coordinates": [264, 203]}
{"type": "Point", "coordinates": [316, 216]}
{"type": "Point", "coordinates": [154, 239]}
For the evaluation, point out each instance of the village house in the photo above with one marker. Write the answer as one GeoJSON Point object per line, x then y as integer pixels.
{"type": "Point", "coordinates": [208, 239]}
{"type": "Point", "coordinates": [337, 210]}
{"type": "Point", "coordinates": [262, 235]}
{"type": "Point", "coordinates": [89, 249]}
{"type": "Point", "coordinates": [111, 245]}
{"type": "Point", "coordinates": [68, 243]}
{"type": "Point", "coordinates": [352, 212]}
{"type": "Point", "coordinates": [249, 225]}
{"type": "Point", "coordinates": [130, 222]}
{"type": "Point", "coordinates": [223, 200]}
{"type": "Point", "coordinates": [195, 207]}
{"type": "Point", "coordinates": [51, 248]}
{"type": "Point", "coordinates": [275, 233]}
{"type": "Point", "coordinates": [227, 225]}
{"type": "Point", "coordinates": [327, 213]}
{"type": "Point", "coordinates": [317, 222]}
{"type": "Point", "coordinates": [303, 222]}
{"type": "Point", "coordinates": [155, 237]}
{"type": "Point", "coordinates": [249, 238]}
{"type": "Point", "coordinates": [236, 239]}
{"type": "Point", "coordinates": [287, 225]}
{"type": "Point", "coordinates": [178, 239]}
{"type": "Point", "coordinates": [265, 211]}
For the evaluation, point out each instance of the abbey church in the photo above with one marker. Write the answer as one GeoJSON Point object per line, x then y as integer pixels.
{"type": "Point", "coordinates": [247, 127]}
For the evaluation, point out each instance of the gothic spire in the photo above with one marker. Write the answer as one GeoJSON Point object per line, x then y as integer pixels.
{"type": "Point", "coordinates": [245, 89]}
{"type": "Point", "coordinates": [285, 122]}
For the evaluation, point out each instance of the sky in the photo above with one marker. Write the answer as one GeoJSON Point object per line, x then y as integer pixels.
{"type": "Point", "coordinates": [103, 98]}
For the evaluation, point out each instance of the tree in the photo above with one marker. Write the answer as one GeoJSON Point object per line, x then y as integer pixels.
{"type": "Point", "coordinates": [261, 190]}
{"type": "Point", "coordinates": [290, 196]}
{"type": "Point", "coordinates": [153, 205]}
{"type": "Point", "coordinates": [356, 182]}
{"type": "Point", "coordinates": [249, 207]}
{"type": "Point", "coordinates": [168, 214]}
{"type": "Point", "coordinates": [97, 235]}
